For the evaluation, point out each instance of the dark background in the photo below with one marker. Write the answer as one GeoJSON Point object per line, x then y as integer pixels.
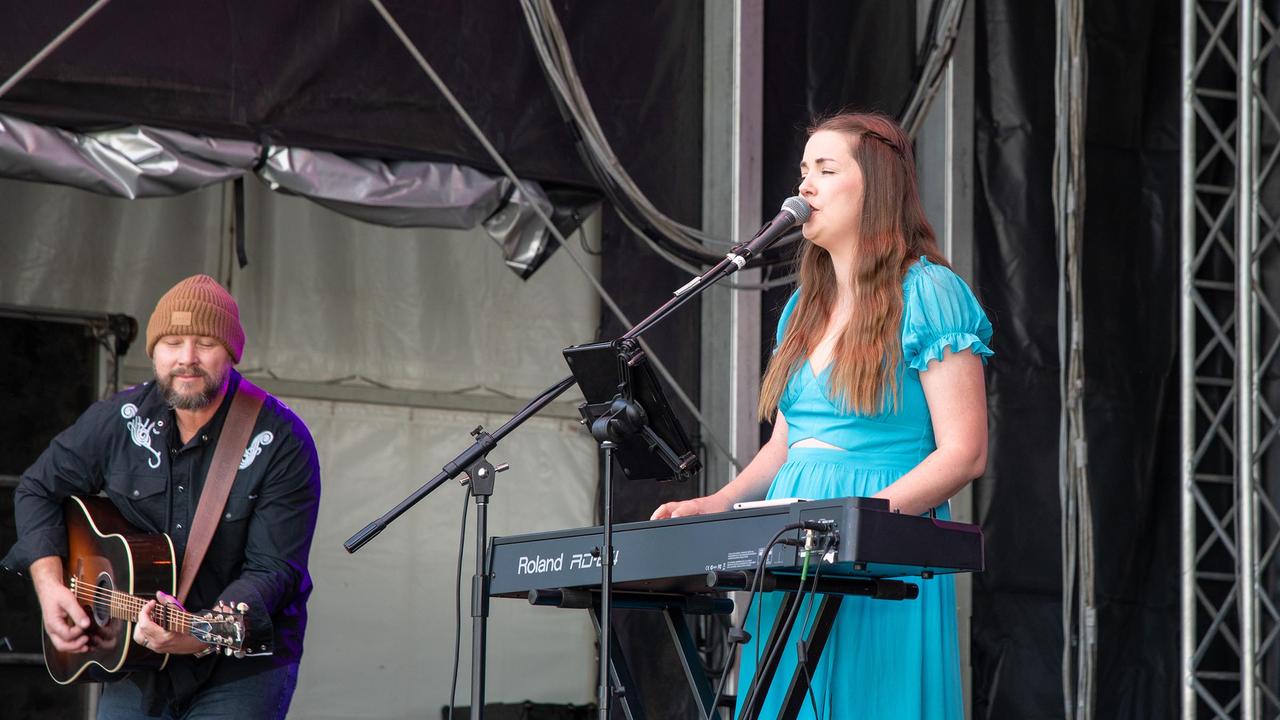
{"type": "Point", "coordinates": [48, 376]}
{"type": "Point", "coordinates": [329, 75]}
{"type": "Point", "coordinates": [1130, 295]}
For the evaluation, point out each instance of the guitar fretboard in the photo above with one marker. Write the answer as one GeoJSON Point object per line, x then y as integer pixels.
{"type": "Point", "coordinates": [124, 606]}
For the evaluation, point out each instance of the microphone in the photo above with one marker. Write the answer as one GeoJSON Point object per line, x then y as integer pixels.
{"type": "Point", "coordinates": [795, 211]}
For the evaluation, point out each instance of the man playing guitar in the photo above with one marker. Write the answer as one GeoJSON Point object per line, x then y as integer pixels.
{"type": "Point", "coordinates": [150, 448]}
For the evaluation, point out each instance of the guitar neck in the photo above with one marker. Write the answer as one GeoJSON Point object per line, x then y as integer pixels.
{"type": "Point", "coordinates": [124, 606]}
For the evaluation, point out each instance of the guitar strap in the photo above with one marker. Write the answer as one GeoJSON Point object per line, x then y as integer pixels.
{"type": "Point", "coordinates": [217, 484]}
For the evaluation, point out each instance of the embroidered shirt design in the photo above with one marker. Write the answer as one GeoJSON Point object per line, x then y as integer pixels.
{"type": "Point", "coordinates": [255, 448]}
{"type": "Point", "coordinates": [140, 431]}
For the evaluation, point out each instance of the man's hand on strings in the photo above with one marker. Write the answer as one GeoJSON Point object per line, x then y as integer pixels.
{"type": "Point", "coordinates": [65, 621]}
{"type": "Point", "coordinates": [157, 639]}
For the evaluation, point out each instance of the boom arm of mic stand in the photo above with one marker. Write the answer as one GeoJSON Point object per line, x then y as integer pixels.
{"type": "Point", "coordinates": [484, 443]}
{"type": "Point", "coordinates": [694, 288]}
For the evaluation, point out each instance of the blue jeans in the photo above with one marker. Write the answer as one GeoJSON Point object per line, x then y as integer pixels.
{"type": "Point", "coordinates": [227, 695]}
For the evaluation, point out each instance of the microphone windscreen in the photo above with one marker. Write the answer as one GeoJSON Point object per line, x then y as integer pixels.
{"type": "Point", "coordinates": [797, 207]}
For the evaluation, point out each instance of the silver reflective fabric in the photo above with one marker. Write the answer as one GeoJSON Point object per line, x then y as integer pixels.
{"type": "Point", "coordinates": [137, 162]}
{"type": "Point", "coordinates": [398, 194]}
{"type": "Point", "coordinates": [133, 162]}
{"type": "Point", "coordinates": [517, 228]}
{"type": "Point", "coordinates": [418, 194]}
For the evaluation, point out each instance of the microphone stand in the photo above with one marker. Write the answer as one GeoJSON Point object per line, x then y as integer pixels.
{"type": "Point", "coordinates": [474, 463]}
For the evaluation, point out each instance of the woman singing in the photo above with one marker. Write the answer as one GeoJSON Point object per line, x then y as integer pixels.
{"type": "Point", "coordinates": [878, 386]}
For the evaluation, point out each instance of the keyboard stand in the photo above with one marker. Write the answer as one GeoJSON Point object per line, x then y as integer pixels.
{"type": "Point", "coordinates": [833, 591]}
{"type": "Point", "coordinates": [673, 608]}
{"type": "Point", "coordinates": [817, 640]}
{"type": "Point", "coordinates": [621, 685]}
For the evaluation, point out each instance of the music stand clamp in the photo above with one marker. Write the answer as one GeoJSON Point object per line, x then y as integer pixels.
{"type": "Point", "coordinates": [631, 420]}
{"type": "Point", "coordinates": [625, 405]}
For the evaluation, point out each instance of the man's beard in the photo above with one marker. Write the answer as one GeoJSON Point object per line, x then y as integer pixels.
{"type": "Point", "coordinates": [191, 401]}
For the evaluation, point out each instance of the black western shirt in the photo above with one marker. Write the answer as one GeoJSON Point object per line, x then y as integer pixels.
{"type": "Point", "coordinates": [129, 447]}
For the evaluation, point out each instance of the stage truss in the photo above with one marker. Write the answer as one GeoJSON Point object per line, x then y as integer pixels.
{"type": "Point", "coordinates": [1230, 330]}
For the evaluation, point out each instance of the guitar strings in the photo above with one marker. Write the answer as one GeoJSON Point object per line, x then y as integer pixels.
{"type": "Point", "coordinates": [123, 602]}
{"type": "Point", "coordinates": [168, 615]}
{"type": "Point", "coordinates": [171, 617]}
{"type": "Point", "coordinates": [131, 605]}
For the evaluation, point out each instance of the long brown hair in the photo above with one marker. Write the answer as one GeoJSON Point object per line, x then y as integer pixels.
{"type": "Point", "coordinates": [893, 233]}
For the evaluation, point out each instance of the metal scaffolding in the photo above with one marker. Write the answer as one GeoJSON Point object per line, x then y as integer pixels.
{"type": "Point", "coordinates": [1230, 329]}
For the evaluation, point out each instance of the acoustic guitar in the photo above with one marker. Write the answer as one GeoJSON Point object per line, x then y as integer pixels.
{"type": "Point", "coordinates": [114, 569]}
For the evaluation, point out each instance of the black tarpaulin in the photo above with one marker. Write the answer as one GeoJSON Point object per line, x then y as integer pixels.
{"type": "Point", "coordinates": [1130, 256]}
{"type": "Point", "coordinates": [330, 75]}
{"type": "Point", "coordinates": [822, 57]}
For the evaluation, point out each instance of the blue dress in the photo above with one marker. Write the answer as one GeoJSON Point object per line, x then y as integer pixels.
{"type": "Point", "coordinates": [884, 659]}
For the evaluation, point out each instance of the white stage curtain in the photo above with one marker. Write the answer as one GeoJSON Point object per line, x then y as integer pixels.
{"type": "Point", "coordinates": [380, 636]}
{"type": "Point", "coordinates": [324, 297]}
{"type": "Point", "coordinates": [327, 298]}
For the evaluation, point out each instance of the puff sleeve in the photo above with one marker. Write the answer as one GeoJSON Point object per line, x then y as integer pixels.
{"type": "Point", "coordinates": [941, 312]}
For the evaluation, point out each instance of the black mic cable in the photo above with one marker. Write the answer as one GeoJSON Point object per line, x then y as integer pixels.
{"type": "Point", "coordinates": [826, 528]}
{"type": "Point", "coordinates": [737, 634]}
{"type": "Point", "coordinates": [802, 647]}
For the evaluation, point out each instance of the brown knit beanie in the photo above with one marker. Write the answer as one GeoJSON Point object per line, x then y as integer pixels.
{"type": "Point", "coordinates": [197, 306]}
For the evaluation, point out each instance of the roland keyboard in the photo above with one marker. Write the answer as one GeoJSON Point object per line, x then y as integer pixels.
{"type": "Point", "coordinates": [675, 555]}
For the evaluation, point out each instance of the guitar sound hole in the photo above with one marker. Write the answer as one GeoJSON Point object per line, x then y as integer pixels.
{"type": "Point", "coordinates": [101, 602]}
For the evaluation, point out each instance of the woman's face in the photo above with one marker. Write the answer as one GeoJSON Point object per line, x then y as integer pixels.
{"type": "Point", "coordinates": [831, 182]}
